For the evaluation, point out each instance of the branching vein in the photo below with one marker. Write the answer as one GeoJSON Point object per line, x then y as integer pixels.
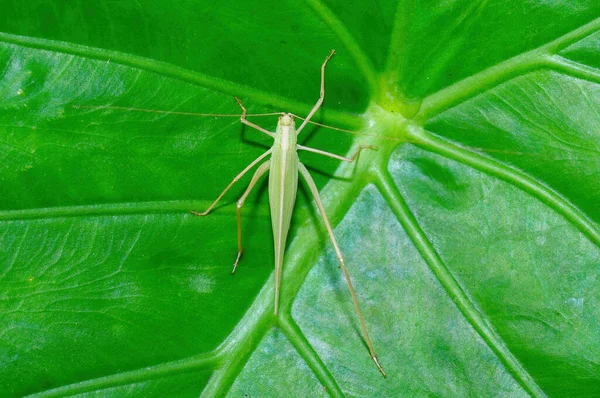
{"type": "Point", "coordinates": [541, 57]}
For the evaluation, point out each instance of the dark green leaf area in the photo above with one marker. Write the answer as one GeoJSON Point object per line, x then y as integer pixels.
{"type": "Point", "coordinates": [185, 37]}
{"type": "Point", "coordinates": [585, 51]}
{"type": "Point", "coordinates": [545, 124]}
{"type": "Point", "coordinates": [471, 36]}
{"type": "Point", "coordinates": [88, 296]}
{"type": "Point", "coordinates": [76, 156]}
{"type": "Point", "coordinates": [532, 278]}
{"type": "Point", "coordinates": [354, 16]}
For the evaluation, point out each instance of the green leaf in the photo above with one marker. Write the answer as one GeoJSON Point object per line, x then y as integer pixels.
{"type": "Point", "coordinates": [472, 231]}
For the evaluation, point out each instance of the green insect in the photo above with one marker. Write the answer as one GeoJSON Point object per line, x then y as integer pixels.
{"type": "Point", "coordinates": [283, 167]}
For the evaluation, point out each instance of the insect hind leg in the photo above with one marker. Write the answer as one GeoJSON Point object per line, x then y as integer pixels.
{"type": "Point", "coordinates": [262, 169]}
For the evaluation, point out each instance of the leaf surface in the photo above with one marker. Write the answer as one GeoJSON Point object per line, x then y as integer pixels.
{"type": "Point", "coordinates": [472, 231]}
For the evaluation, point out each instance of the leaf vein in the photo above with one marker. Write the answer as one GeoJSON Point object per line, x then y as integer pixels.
{"type": "Point", "coordinates": [518, 65]}
{"type": "Point", "coordinates": [170, 70]}
{"type": "Point", "coordinates": [360, 57]}
{"type": "Point", "coordinates": [469, 310]}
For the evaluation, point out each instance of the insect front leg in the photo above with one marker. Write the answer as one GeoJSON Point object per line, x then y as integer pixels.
{"type": "Point", "coordinates": [321, 96]}
{"type": "Point", "coordinates": [315, 192]}
{"type": "Point", "coordinates": [262, 169]}
{"type": "Point", "coordinates": [248, 123]}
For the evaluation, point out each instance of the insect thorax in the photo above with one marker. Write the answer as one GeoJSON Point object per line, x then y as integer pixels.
{"type": "Point", "coordinates": [285, 135]}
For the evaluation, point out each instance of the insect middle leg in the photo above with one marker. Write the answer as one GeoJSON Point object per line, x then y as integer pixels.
{"type": "Point", "coordinates": [262, 169]}
{"type": "Point", "coordinates": [235, 179]}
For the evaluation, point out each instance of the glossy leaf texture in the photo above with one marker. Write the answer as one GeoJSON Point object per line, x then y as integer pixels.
{"type": "Point", "coordinates": [472, 232]}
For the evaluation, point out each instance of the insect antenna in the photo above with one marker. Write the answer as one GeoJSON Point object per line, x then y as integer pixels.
{"type": "Point", "coordinates": [126, 108]}
{"type": "Point", "coordinates": [356, 133]}
{"type": "Point", "coordinates": [408, 141]}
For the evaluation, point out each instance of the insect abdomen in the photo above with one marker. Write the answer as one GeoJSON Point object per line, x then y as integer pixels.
{"type": "Point", "coordinates": [283, 184]}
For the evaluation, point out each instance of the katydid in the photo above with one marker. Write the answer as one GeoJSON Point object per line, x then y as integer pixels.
{"type": "Point", "coordinates": [283, 167]}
